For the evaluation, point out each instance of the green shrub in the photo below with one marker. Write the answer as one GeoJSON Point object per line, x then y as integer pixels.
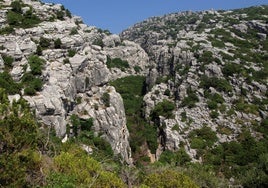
{"type": "Point", "coordinates": [66, 61]}
{"type": "Point", "coordinates": [80, 170]}
{"type": "Point", "coordinates": [68, 13]}
{"type": "Point", "coordinates": [164, 109]}
{"type": "Point", "coordinates": [167, 92]}
{"type": "Point", "coordinates": [137, 69]}
{"type": "Point", "coordinates": [16, 6]}
{"type": "Point", "coordinates": [175, 128]}
{"type": "Point", "coordinates": [44, 42]}
{"type": "Point", "coordinates": [245, 107]}
{"type": "Point", "coordinates": [36, 64]}
{"type": "Point", "coordinates": [206, 57]}
{"type": "Point", "coordinates": [226, 56]}
{"type": "Point", "coordinates": [103, 145]}
{"type": "Point", "coordinates": [214, 100]}
{"type": "Point", "coordinates": [14, 19]}
{"type": "Point", "coordinates": [32, 83]}
{"type": "Point", "coordinates": [39, 50]}
{"type": "Point", "coordinates": [198, 143]}
{"type": "Point", "coordinates": [98, 42]}
{"type": "Point", "coordinates": [57, 43]}
{"type": "Point", "coordinates": [131, 88]}
{"type": "Point", "coordinates": [203, 137]}
{"type": "Point", "coordinates": [7, 82]}
{"type": "Point", "coordinates": [73, 31]}
{"type": "Point", "coordinates": [6, 30]}
{"type": "Point", "coordinates": [183, 116]}
{"type": "Point", "coordinates": [60, 15]}
{"type": "Point", "coordinates": [8, 60]}
{"type": "Point", "coordinates": [177, 158]}
{"type": "Point", "coordinates": [30, 19]}
{"type": "Point", "coordinates": [230, 69]}
{"type": "Point", "coordinates": [169, 178]}
{"type": "Point", "coordinates": [215, 82]}
{"type": "Point", "coordinates": [150, 133]}
{"type": "Point", "coordinates": [71, 52]}
{"type": "Point", "coordinates": [19, 158]}
{"type": "Point", "coordinates": [217, 43]}
{"type": "Point", "coordinates": [214, 114]}
{"type": "Point", "coordinates": [117, 63]}
{"type": "Point", "coordinates": [29, 91]}
{"type": "Point", "coordinates": [106, 99]}
{"type": "Point", "coordinates": [190, 100]}
{"type": "Point", "coordinates": [212, 105]}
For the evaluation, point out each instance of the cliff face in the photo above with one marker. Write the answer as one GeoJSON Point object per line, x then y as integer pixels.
{"type": "Point", "coordinates": [212, 66]}
{"type": "Point", "coordinates": [73, 69]}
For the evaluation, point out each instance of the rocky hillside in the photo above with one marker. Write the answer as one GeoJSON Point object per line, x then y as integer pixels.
{"type": "Point", "coordinates": [182, 88]}
{"type": "Point", "coordinates": [62, 68]}
{"type": "Point", "coordinates": [213, 67]}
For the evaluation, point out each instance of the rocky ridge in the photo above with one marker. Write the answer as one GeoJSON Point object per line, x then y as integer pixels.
{"type": "Point", "coordinates": [212, 65]}
{"type": "Point", "coordinates": [72, 84]}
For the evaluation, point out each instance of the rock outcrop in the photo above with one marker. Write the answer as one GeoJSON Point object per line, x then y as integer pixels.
{"type": "Point", "coordinates": [201, 62]}
{"type": "Point", "coordinates": [74, 68]}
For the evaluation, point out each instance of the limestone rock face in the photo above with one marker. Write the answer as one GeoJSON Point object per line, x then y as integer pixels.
{"type": "Point", "coordinates": [195, 60]}
{"type": "Point", "coordinates": [109, 119]}
{"type": "Point", "coordinates": [132, 53]}
{"type": "Point", "coordinates": [73, 70]}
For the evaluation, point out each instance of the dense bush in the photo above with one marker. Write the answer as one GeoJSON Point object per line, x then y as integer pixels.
{"type": "Point", "coordinates": [164, 108]}
{"type": "Point", "coordinates": [31, 80]}
{"type": "Point", "coordinates": [218, 83]}
{"type": "Point", "coordinates": [39, 50]}
{"type": "Point", "coordinates": [169, 178]}
{"type": "Point", "coordinates": [8, 60]}
{"type": "Point", "coordinates": [190, 99]}
{"type": "Point", "coordinates": [241, 159]}
{"type": "Point", "coordinates": [77, 169]}
{"type": "Point", "coordinates": [16, 18]}
{"type": "Point", "coordinates": [230, 69]}
{"type": "Point", "coordinates": [202, 138]}
{"type": "Point", "coordinates": [217, 43]}
{"type": "Point", "coordinates": [6, 30]}
{"type": "Point", "coordinates": [214, 100]}
{"type": "Point", "coordinates": [36, 64]}
{"type": "Point", "coordinates": [19, 159]}
{"type": "Point", "coordinates": [98, 42]}
{"type": "Point", "coordinates": [7, 82]}
{"type": "Point", "coordinates": [16, 6]}
{"type": "Point", "coordinates": [71, 52]}
{"type": "Point", "coordinates": [206, 57]}
{"type": "Point", "coordinates": [44, 42]}
{"type": "Point", "coordinates": [117, 63]}
{"type": "Point", "coordinates": [243, 106]}
{"type": "Point", "coordinates": [73, 31]}
{"type": "Point", "coordinates": [132, 89]}
{"type": "Point", "coordinates": [177, 158]}
{"type": "Point", "coordinates": [57, 43]}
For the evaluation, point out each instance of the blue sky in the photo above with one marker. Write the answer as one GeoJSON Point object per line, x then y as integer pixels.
{"type": "Point", "coordinates": [117, 15]}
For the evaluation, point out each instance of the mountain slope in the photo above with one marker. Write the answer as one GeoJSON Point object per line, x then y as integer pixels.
{"type": "Point", "coordinates": [58, 64]}
{"type": "Point", "coordinates": [207, 84]}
